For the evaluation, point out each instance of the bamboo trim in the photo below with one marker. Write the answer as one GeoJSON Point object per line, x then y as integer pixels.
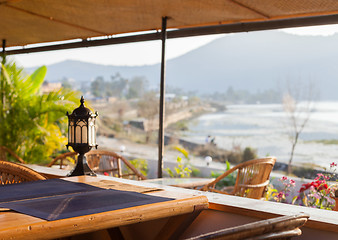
{"type": "Point", "coordinates": [280, 227]}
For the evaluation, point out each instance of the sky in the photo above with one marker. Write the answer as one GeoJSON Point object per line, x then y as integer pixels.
{"type": "Point", "coordinates": [142, 53]}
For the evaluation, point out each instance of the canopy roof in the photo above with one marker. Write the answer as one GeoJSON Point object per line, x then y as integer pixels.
{"type": "Point", "coordinates": [25, 22]}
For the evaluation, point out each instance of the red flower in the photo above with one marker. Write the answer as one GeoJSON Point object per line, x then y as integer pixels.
{"type": "Point", "coordinates": [318, 185]}
{"type": "Point", "coordinates": [305, 186]}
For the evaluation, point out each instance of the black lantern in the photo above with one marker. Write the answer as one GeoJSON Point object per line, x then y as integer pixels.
{"type": "Point", "coordinates": [81, 137]}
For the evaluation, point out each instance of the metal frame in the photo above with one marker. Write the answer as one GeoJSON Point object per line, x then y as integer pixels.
{"type": "Point", "coordinates": [187, 32]}
{"type": "Point", "coordinates": [178, 33]}
{"type": "Point", "coordinates": [162, 101]}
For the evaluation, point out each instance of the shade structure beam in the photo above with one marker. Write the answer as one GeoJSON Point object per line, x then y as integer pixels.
{"type": "Point", "coordinates": [162, 100]}
{"type": "Point", "coordinates": [187, 32]}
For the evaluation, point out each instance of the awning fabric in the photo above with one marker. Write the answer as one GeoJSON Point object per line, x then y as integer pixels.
{"type": "Point", "coordinates": [25, 22]}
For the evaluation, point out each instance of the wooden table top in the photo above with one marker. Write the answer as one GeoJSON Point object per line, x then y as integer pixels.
{"type": "Point", "coordinates": [15, 225]}
{"type": "Point", "coordinates": [181, 182]}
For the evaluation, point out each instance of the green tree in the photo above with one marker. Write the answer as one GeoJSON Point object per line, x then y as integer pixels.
{"type": "Point", "coordinates": [66, 83]}
{"type": "Point", "coordinates": [97, 87]}
{"type": "Point", "coordinates": [117, 85]}
{"type": "Point", "coordinates": [137, 87]}
{"type": "Point", "coordinates": [32, 124]}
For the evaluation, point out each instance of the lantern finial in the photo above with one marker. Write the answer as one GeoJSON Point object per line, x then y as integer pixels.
{"type": "Point", "coordinates": [82, 100]}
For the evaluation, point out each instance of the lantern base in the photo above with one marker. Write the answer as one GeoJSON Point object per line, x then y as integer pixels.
{"type": "Point", "coordinates": [81, 167]}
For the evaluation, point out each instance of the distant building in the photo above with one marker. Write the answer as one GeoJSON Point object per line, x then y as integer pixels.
{"type": "Point", "coordinates": [50, 87]}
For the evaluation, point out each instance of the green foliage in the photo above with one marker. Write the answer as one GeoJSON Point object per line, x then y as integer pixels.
{"type": "Point", "coordinates": [141, 165]}
{"type": "Point", "coordinates": [229, 180]}
{"type": "Point", "coordinates": [249, 154]}
{"type": "Point", "coordinates": [270, 193]}
{"type": "Point", "coordinates": [195, 172]}
{"type": "Point", "coordinates": [181, 170]}
{"type": "Point", "coordinates": [137, 87]}
{"type": "Point", "coordinates": [32, 124]}
{"type": "Point", "coordinates": [183, 151]}
{"type": "Point", "coordinates": [186, 169]}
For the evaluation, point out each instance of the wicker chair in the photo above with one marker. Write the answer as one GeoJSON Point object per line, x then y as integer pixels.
{"type": "Point", "coordinates": [6, 153]}
{"type": "Point", "coordinates": [64, 159]}
{"type": "Point", "coordinates": [113, 164]}
{"type": "Point", "coordinates": [252, 179]}
{"type": "Point", "coordinates": [15, 173]}
{"type": "Point", "coordinates": [284, 227]}
{"type": "Point", "coordinates": [104, 162]}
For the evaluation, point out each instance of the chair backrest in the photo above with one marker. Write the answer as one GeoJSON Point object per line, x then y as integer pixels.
{"type": "Point", "coordinates": [15, 173]}
{"type": "Point", "coordinates": [113, 164]}
{"type": "Point", "coordinates": [64, 159]}
{"type": "Point", "coordinates": [252, 178]}
{"type": "Point", "coordinates": [103, 162]}
{"type": "Point", "coordinates": [4, 151]}
{"type": "Point", "coordinates": [283, 227]}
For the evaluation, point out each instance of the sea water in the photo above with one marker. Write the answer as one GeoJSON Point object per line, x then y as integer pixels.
{"type": "Point", "coordinates": [267, 128]}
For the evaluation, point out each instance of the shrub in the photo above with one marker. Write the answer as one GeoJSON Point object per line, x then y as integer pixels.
{"type": "Point", "coordinates": [33, 125]}
{"type": "Point", "coordinates": [249, 154]}
{"type": "Point", "coordinates": [141, 165]}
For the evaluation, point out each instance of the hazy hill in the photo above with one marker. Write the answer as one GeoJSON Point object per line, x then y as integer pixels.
{"type": "Point", "coordinates": [249, 61]}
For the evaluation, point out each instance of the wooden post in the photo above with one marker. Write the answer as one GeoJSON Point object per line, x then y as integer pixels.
{"type": "Point", "coordinates": [162, 101]}
{"type": "Point", "coordinates": [2, 78]}
{"type": "Point", "coordinates": [3, 51]}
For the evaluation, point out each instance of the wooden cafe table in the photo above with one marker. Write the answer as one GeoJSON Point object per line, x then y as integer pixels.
{"type": "Point", "coordinates": [162, 220]}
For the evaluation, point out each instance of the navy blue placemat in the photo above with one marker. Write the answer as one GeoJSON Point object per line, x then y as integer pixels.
{"type": "Point", "coordinates": [73, 205]}
{"type": "Point", "coordinates": [42, 188]}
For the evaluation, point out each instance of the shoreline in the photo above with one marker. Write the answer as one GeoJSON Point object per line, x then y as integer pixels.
{"type": "Point", "coordinates": [149, 152]}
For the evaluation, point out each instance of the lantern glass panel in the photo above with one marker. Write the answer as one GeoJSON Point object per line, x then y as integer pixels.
{"type": "Point", "coordinates": [71, 132]}
{"type": "Point", "coordinates": [78, 132]}
{"type": "Point", "coordinates": [84, 134]}
{"type": "Point", "coordinates": [81, 131]}
{"type": "Point", "coordinates": [91, 132]}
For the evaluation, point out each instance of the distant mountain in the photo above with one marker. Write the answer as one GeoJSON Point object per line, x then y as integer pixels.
{"type": "Point", "coordinates": [250, 61]}
{"type": "Point", "coordinates": [86, 72]}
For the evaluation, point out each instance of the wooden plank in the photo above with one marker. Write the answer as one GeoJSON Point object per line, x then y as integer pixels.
{"type": "Point", "coordinates": [175, 227]}
{"type": "Point", "coordinates": [23, 226]}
